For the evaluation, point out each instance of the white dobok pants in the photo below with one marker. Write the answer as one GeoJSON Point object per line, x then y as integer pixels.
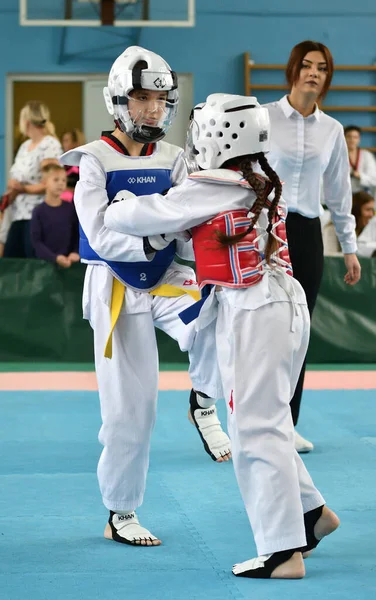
{"type": "Point", "coordinates": [128, 383]}
{"type": "Point", "coordinates": [260, 358]}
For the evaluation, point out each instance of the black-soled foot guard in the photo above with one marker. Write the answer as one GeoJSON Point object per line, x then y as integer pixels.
{"type": "Point", "coordinates": [262, 567]}
{"type": "Point", "coordinates": [310, 520]}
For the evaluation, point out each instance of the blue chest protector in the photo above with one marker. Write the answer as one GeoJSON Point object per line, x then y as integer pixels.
{"type": "Point", "coordinates": [138, 275]}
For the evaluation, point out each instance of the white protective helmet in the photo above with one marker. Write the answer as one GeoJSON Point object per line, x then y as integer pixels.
{"type": "Point", "coordinates": [224, 127]}
{"type": "Point", "coordinates": [138, 68]}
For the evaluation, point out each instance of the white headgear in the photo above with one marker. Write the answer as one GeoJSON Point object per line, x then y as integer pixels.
{"type": "Point", "coordinates": [137, 68]}
{"type": "Point", "coordinates": [224, 127]}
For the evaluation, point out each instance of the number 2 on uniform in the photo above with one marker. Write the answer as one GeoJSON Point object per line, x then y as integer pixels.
{"type": "Point", "coordinates": [142, 276]}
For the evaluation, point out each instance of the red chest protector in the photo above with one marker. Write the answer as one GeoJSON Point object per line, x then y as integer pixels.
{"type": "Point", "coordinates": [242, 264]}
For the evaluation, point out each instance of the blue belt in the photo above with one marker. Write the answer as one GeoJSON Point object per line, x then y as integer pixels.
{"type": "Point", "coordinates": [191, 313]}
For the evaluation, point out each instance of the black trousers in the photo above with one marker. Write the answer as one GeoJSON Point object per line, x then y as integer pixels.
{"type": "Point", "coordinates": [307, 258]}
{"type": "Point", "coordinates": [18, 244]}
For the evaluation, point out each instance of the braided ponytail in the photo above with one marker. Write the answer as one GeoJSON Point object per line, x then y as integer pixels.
{"type": "Point", "coordinates": [271, 244]}
{"type": "Point", "coordinates": [245, 165]}
{"type": "Point", "coordinates": [262, 191]}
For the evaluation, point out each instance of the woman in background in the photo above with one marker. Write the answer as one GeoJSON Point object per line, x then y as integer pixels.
{"type": "Point", "coordinates": [307, 147]}
{"type": "Point", "coordinates": [363, 210]}
{"type": "Point", "coordinates": [25, 183]}
{"type": "Point", "coordinates": [364, 213]}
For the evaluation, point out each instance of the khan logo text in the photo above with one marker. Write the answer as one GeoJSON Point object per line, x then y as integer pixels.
{"type": "Point", "coordinates": [150, 179]}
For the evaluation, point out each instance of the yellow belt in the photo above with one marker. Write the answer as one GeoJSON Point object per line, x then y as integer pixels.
{"type": "Point", "coordinates": [117, 299]}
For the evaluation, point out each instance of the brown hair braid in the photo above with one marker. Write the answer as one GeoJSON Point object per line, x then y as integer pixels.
{"type": "Point", "coordinates": [245, 165]}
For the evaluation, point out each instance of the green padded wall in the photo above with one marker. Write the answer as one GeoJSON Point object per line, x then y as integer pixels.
{"type": "Point", "coordinates": [41, 319]}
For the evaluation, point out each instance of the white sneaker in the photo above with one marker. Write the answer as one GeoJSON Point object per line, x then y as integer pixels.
{"type": "Point", "coordinates": [301, 445]}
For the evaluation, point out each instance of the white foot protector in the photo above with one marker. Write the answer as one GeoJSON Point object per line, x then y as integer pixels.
{"type": "Point", "coordinates": [216, 442]}
{"type": "Point", "coordinates": [126, 529]}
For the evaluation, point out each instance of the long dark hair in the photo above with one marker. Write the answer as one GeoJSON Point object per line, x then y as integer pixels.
{"type": "Point", "coordinates": [359, 199]}
{"type": "Point", "coordinates": [244, 164]}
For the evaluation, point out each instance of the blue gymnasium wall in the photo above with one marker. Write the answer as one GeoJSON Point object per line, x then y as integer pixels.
{"type": "Point", "coordinates": [212, 50]}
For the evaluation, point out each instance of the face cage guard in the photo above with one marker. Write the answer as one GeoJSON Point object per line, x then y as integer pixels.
{"type": "Point", "coordinates": [143, 132]}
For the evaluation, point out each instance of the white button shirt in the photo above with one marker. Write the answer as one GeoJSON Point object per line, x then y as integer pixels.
{"type": "Point", "coordinates": [306, 151]}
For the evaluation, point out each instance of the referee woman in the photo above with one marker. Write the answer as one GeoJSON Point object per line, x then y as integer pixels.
{"type": "Point", "coordinates": [308, 149]}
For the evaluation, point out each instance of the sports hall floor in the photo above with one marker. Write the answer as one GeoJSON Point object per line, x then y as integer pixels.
{"type": "Point", "coordinates": [52, 519]}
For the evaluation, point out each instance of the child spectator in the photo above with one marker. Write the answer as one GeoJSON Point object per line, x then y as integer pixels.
{"type": "Point", "coordinates": [72, 139]}
{"type": "Point", "coordinates": [54, 224]}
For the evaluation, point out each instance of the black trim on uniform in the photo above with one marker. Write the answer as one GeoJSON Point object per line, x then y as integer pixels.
{"type": "Point", "coordinates": [114, 141]}
{"type": "Point", "coordinates": [145, 149]}
{"type": "Point", "coordinates": [121, 148]}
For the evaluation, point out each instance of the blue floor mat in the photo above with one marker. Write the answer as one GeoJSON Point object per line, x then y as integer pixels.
{"type": "Point", "coordinates": [52, 519]}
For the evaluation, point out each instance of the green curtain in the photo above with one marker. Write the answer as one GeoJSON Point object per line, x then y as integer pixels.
{"type": "Point", "coordinates": [41, 316]}
{"type": "Point", "coordinates": [344, 321]}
